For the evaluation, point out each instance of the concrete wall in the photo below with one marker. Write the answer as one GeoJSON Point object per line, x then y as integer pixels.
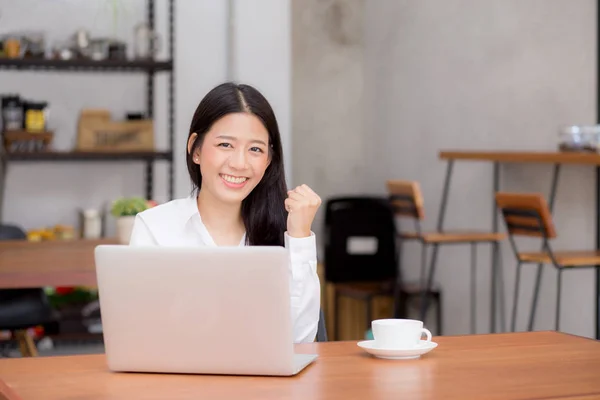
{"type": "Point", "coordinates": [327, 89]}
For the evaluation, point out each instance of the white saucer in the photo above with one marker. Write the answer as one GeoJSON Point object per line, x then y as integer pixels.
{"type": "Point", "coordinates": [397, 354]}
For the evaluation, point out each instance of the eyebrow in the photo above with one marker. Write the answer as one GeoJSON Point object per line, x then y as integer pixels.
{"type": "Point", "coordinates": [234, 139]}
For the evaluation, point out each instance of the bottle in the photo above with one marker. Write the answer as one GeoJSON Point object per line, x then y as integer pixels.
{"type": "Point", "coordinates": [92, 224]}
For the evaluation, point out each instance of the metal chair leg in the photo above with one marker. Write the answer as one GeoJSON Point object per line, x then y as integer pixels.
{"type": "Point", "coordinates": [473, 287]}
{"type": "Point", "coordinates": [515, 298]}
{"type": "Point", "coordinates": [439, 315]}
{"type": "Point", "coordinates": [536, 291]}
{"type": "Point", "coordinates": [425, 291]}
{"type": "Point", "coordinates": [558, 295]}
{"type": "Point", "coordinates": [500, 289]}
{"type": "Point", "coordinates": [336, 311]}
{"type": "Point", "coordinates": [423, 264]}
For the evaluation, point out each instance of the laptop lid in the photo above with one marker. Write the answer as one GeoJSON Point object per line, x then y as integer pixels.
{"type": "Point", "coordinates": [214, 310]}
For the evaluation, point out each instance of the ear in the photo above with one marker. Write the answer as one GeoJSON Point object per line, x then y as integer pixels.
{"type": "Point", "coordinates": [190, 144]}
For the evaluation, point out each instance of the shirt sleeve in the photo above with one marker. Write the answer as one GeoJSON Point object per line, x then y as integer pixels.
{"type": "Point", "coordinates": [305, 288]}
{"type": "Point", "coordinates": [140, 234]}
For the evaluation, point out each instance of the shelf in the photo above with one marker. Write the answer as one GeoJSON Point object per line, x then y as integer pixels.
{"type": "Point", "coordinates": [87, 156]}
{"type": "Point", "coordinates": [32, 64]}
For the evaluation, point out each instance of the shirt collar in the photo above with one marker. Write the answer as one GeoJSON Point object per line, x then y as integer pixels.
{"type": "Point", "coordinates": [190, 208]}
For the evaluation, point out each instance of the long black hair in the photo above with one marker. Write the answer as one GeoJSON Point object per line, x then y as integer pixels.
{"type": "Point", "coordinates": [263, 210]}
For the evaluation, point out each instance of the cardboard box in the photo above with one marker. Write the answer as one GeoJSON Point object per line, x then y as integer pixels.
{"type": "Point", "coordinates": [97, 132]}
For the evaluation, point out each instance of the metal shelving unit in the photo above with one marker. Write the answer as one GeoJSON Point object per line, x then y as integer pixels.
{"type": "Point", "coordinates": [32, 64]}
{"type": "Point", "coordinates": [88, 156]}
{"type": "Point", "coordinates": [147, 67]}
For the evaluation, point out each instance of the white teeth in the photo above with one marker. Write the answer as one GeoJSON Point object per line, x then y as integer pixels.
{"type": "Point", "coordinates": [233, 179]}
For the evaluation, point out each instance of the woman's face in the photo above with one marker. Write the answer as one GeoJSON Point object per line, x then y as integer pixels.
{"type": "Point", "coordinates": [233, 157]}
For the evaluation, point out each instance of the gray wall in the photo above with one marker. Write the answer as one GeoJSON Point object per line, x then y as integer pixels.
{"type": "Point", "coordinates": [327, 96]}
{"type": "Point", "coordinates": [498, 74]}
{"type": "Point", "coordinates": [456, 74]}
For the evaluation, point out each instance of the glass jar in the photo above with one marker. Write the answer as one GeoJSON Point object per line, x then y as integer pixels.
{"type": "Point", "coordinates": [578, 138]}
{"type": "Point", "coordinates": [12, 113]}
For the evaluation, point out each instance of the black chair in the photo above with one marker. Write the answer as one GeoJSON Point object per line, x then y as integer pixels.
{"type": "Point", "coordinates": [21, 309]}
{"type": "Point", "coordinates": [369, 272]}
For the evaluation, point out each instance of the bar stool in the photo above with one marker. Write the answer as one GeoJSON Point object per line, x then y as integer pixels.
{"type": "Point", "coordinates": [407, 201]}
{"type": "Point", "coordinates": [529, 215]}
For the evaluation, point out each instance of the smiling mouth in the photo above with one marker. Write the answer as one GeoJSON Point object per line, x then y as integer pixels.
{"type": "Point", "coordinates": [236, 180]}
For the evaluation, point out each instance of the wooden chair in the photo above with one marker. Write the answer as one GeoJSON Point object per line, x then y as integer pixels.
{"type": "Point", "coordinates": [529, 215]}
{"type": "Point", "coordinates": [407, 201]}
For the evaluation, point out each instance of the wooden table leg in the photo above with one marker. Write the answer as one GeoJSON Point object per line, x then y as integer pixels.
{"type": "Point", "coordinates": [26, 344]}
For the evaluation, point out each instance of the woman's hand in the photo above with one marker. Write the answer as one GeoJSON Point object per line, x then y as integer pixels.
{"type": "Point", "coordinates": [302, 205]}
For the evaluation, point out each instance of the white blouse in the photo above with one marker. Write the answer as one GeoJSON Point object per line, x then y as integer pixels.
{"type": "Point", "coordinates": [178, 223]}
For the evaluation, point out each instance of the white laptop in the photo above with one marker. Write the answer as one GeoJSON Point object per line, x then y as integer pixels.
{"type": "Point", "coordinates": [205, 310]}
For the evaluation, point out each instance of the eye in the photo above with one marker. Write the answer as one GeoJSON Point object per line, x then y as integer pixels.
{"type": "Point", "coordinates": [227, 145]}
{"type": "Point", "coordinates": [256, 150]}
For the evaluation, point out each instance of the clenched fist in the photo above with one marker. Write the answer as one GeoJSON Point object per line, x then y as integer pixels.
{"type": "Point", "coordinates": [302, 205]}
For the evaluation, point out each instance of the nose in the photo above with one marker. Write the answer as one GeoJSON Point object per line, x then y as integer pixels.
{"type": "Point", "coordinates": [237, 160]}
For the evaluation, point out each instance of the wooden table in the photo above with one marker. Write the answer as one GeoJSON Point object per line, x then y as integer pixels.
{"type": "Point", "coordinates": [540, 157]}
{"type": "Point", "coordinates": [532, 365]}
{"type": "Point", "coordinates": [26, 264]}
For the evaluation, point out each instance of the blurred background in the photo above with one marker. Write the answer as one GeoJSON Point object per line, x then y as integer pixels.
{"type": "Point", "coordinates": [364, 92]}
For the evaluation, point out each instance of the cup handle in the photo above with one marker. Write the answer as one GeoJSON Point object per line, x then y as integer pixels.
{"type": "Point", "coordinates": [426, 331]}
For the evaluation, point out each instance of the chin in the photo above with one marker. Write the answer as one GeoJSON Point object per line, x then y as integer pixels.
{"type": "Point", "coordinates": [231, 196]}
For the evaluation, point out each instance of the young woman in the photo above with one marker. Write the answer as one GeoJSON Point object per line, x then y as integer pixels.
{"type": "Point", "coordinates": [235, 161]}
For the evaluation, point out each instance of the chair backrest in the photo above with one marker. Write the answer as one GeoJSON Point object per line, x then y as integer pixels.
{"type": "Point", "coordinates": [406, 198]}
{"type": "Point", "coordinates": [526, 214]}
{"type": "Point", "coordinates": [12, 232]}
{"type": "Point", "coordinates": [360, 240]}
{"type": "Point", "coordinates": [22, 299]}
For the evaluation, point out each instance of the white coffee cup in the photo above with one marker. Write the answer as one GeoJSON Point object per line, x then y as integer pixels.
{"type": "Point", "coordinates": [398, 333]}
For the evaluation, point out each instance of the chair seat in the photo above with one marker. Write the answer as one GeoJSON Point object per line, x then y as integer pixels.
{"type": "Point", "coordinates": [414, 288]}
{"type": "Point", "coordinates": [454, 236]}
{"type": "Point", "coordinates": [564, 258]}
{"type": "Point", "coordinates": [370, 289]}
{"type": "Point", "coordinates": [24, 308]}
{"type": "Point", "coordinates": [364, 289]}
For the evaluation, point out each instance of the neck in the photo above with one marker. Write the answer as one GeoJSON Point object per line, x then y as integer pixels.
{"type": "Point", "coordinates": [219, 216]}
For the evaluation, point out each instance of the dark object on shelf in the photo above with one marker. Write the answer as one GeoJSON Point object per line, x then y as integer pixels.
{"type": "Point", "coordinates": [33, 45]}
{"type": "Point", "coordinates": [23, 141]}
{"type": "Point", "coordinates": [134, 116]}
{"type": "Point", "coordinates": [117, 51]}
{"type": "Point", "coordinates": [12, 113]}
